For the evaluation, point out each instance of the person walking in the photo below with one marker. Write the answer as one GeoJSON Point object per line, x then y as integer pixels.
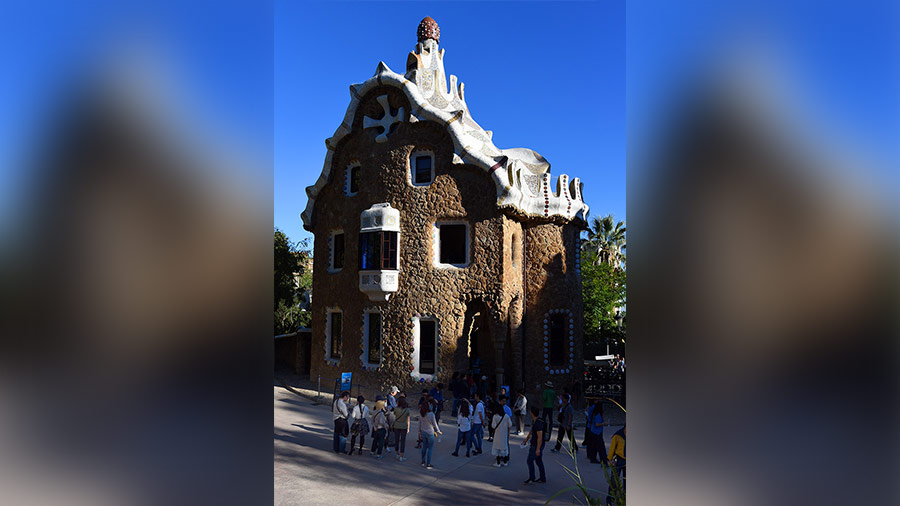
{"type": "Point", "coordinates": [566, 424]}
{"type": "Point", "coordinates": [501, 423]}
{"type": "Point", "coordinates": [478, 419]}
{"type": "Point", "coordinates": [489, 404]}
{"type": "Point", "coordinates": [536, 440]}
{"type": "Point", "coordinates": [428, 426]}
{"type": "Point", "coordinates": [340, 413]}
{"type": "Point", "coordinates": [520, 411]}
{"type": "Point", "coordinates": [360, 425]}
{"type": "Point", "coordinates": [594, 432]}
{"type": "Point", "coordinates": [454, 389]}
{"type": "Point", "coordinates": [380, 424]}
{"type": "Point", "coordinates": [548, 396]}
{"type": "Point", "coordinates": [464, 423]}
{"type": "Point", "coordinates": [391, 406]}
{"type": "Point", "coordinates": [401, 428]}
{"type": "Point", "coordinates": [438, 394]}
{"type": "Point", "coordinates": [422, 401]}
{"type": "Point", "coordinates": [616, 460]}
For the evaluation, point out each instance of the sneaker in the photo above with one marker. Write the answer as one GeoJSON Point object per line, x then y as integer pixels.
{"type": "Point", "coordinates": [467, 454]}
{"type": "Point", "coordinates": [402, 459]}
{"type": "Point", "coordinates": [429, 466]}
{"type": "Point", "coordinates": [455, 454]}
{"type": "Point", "coordinates": [422, 464]}
{"type": "Point", "coordinates": [379, 457]}
{"type": "Point", "coordinates": [389, 450]}
{"type": "Point", "coordinates": [504, 464]}
{"type": "Point", "coordinates": [529, 481]}
{"type": "Point", "coordinates": [542, 480]}
{"type": "Point", "coordinates": [496, 464]}
{"type": "Point", "coordinates": [554, 450]}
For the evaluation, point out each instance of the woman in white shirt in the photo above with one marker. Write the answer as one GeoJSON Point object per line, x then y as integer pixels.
{"type": "Point", "coordinates": [465, 428]}
{"type": "Point", "coordinates": [520, 410]}
{"type": "Point", "coordinates": [360, 424]}
{"type": "Point", "coordinates": [501, 424]}
{"type": "Point", "coordinates": [428, 426]}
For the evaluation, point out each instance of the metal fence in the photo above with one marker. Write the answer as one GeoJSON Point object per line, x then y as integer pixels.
{"type": "Point", "coordinates": [328, 387]}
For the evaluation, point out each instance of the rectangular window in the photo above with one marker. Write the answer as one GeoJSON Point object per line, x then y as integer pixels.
{"type": "Point", "coordinates": [374, 338]}
{"type": "Point", "coordinates": [378, 250]}
{"type": "Point", "coordinates": [557, 339]}
{"type": "Point", "coordinates": [337, 261]}
{"type": "Point", "coordinates": [422, 169]}
{"type": "Point", "coordinates": [337, 321]}
{"type": "Point", "coordinates": [453, 244]}
{"type": "Point", "coordinates": [427, 346]}
{"type": "Point", "coordinates": [354, 180]}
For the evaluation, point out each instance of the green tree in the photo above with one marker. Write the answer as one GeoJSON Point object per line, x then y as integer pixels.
{"type": "Point", "coordinates": [293, 284]}
{"type": "Point", "coordinates": [603, 292]}
{"type": "Point", "coordinates": [606, 238]}
{"type": "Point", "coordinates": [603, 277]}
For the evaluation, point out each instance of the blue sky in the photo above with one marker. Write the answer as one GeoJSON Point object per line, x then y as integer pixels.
{"type": "Point", "coordinates": [543, 75]}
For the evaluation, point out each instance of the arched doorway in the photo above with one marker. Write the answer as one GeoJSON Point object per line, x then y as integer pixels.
{"type": "Point", "coordinates": [475, 345]}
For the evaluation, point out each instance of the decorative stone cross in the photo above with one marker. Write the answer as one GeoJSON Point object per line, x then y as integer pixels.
{"type": "Point", "coordinates": [386, 121]}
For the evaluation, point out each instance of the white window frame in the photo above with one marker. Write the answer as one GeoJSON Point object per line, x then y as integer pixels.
{"type": "Point", "coordinates": [348, 171]}
{"type": "Point", "coordinates": [412, 169]}
{"type": "Point", "coordinates": [328, 335]}
{"type": "Point", "coordinates": [436, 244]}
{"type": "Point", "coordinates": [416, 374]}
{"type": "Point", "coordinates": [331, 237]}
{"type": "Point", "coordinates": [364, 357]}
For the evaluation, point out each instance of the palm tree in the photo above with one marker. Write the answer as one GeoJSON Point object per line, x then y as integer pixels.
{"type": "Point", "coordinates": [606, 237]}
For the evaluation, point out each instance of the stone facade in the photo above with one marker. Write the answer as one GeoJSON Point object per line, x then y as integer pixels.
{"type": "Point", "coordinates": [521, 247]}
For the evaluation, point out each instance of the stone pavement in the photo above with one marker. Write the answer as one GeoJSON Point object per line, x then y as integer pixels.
{"type": "Point", "coordinates": [308, 472]}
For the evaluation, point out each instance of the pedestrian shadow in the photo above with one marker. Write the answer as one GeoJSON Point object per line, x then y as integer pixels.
{"type": "Point", "coordinates": [327, 432]}
{"type": "Point", "coordinates": [288, 438]}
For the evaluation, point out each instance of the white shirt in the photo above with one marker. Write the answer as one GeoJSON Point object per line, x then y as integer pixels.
{"type": "Point", "coordinates": [465, 425]}
{"type": "Point", "coordinates": [340, 409]}
{"type": "Point", "coordinates": [521, 405]}
{"type": "Point", "coordinates": [356, 413]}
{"type": "Point", "coordinates": [479, 413]}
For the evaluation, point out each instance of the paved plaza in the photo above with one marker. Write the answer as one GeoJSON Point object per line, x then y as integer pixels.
{"type": "Point", "coordinates": [308, 472]}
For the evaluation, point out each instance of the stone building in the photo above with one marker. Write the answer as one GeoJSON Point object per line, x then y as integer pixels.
{"type": "Point", "coordinates": [435, 251]}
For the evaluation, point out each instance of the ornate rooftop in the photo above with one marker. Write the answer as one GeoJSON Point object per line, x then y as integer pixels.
{"type": "Point", "coordinates": [521, 175]}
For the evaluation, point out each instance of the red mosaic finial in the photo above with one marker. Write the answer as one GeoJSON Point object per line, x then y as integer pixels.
{"type": "Point", "coordinates": [428, 29]}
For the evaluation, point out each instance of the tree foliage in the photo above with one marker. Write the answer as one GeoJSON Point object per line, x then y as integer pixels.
{"type": "Point", "coordinates": [603, 291]}
{"type": "Point", "coordinates": [606, 238]}
{"type": "Point", "coordinates": [293, 284]}
{"type": "Point", "coordinates": [603, 282]}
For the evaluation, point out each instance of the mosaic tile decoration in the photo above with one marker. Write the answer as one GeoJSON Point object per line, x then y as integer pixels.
{"type": "Point", "coordinates": [425, 86]}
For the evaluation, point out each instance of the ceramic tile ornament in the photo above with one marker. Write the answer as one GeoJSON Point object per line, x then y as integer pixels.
{"type": "Point", "coordinates": [425, 86]}
{"type": "Point", "coordinates": [450, 237]}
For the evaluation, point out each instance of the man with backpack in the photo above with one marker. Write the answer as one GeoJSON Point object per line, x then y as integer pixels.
{"type": "Point", "coordinates": [548, 397]}
{"type": "Point", "coordinates": [566, 424]}
{"type": "Point", "coordinates": [340, 413]}
{"type": "Point", "coordinates": [478, 419]}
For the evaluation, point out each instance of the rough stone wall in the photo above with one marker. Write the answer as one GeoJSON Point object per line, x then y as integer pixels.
{"type": "Point", "coordinates": [552, 283]}
{"type": "Point", "coordinates": [457, 192]}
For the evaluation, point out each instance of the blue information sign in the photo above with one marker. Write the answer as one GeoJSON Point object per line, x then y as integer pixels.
{"type": "Point", "coordinates": [345, 381]}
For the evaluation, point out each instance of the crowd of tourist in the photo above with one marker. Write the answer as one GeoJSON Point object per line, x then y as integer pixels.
{"type": "Point", "coordinates": [475, 405]}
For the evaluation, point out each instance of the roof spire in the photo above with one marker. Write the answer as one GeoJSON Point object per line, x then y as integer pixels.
{"type": "Point", "coordinates": [428, 29]}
